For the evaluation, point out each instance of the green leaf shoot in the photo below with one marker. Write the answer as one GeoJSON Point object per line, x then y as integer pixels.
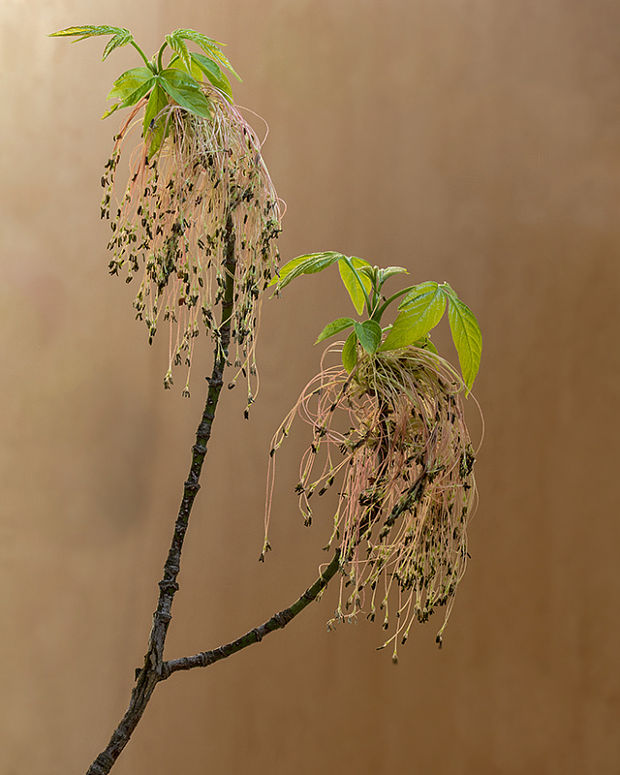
{"type": "Point", "coordinates": [121, 36]}
{"type": "Point", "coordinates": [467, 338]}
{"type": "Point", "coordinates": [335, 327]}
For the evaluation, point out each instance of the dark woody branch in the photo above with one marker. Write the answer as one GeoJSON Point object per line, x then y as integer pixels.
{"type": "Point", "coordinates": [277, 622]}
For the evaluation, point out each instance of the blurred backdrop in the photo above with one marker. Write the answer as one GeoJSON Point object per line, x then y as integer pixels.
{"type": "Point", "coordinates": [469, 140]}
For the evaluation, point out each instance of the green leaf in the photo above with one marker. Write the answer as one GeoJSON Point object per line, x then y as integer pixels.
{"type": "Point", "coordinates": [368, 271]}
{"type": "Point", "coordinates": [185, 91]}
{"type": "Point", "coordinates": [136, 81]}
{"type": "Point", "coordinates": [208, 45]}
{"type": "Point", "coordinates": [421, 310]}
{"type": "Point", "coordinates": [467, 338]}
{"type": "Point", "coordinates": [428, 287]}
{"type": "Point", "coordinates": [349, 352]}
{"type": "Point", "coordinates": [88, 31]}
{"type": "Point", "coordinates": [390, 271]}
{"type": "Point", "coordinates": [178, 64]}
{"type": "Point", "coordinates": [112, 109]}
{"type": "Point", "coordinates": [369, 335]}
{"type": "Point", "coordinates": [307, 264]}
{"type": "Point", "coordinates": [427, 344]}
{"type": "Point", "coordinates": [155, 126]}
{"type": "Point", "coordinates": [213, 72]}
{"type": "Point", "coordinates": [356, 291]}
{"type": "Point", "coordinates": [120, 39]}
{"type": "Point", "coordinates": [180, 49]}
{"type": "Point", "coordinates": [334, 328]}
{"type": "Point", "coordinates": [121, 36]}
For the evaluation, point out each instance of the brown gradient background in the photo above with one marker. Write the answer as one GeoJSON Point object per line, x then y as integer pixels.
{"type": "Point", "coordinates": [476, 141]}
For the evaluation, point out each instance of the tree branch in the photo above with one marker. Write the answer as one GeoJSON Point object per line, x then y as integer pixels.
{"type": "Point", "coordinates": [151, 673]}
{"type": "Point", "coordinates": [277, 622]}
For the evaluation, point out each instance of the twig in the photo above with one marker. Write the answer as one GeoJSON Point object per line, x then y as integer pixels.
{"type": "Point", "coordinates": [277, 622]}
{"type": "Point", "coordinates": [151, 672]}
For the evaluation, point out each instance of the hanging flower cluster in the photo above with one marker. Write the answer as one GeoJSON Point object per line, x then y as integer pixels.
{"type": "Point", "coordinates": [175, 220]}
{"type": "Point", "coordinates": [194, 195]}
{"type": "Point", "coordinates": [392, 438]}
{"type": "Point", "coordinates": [389, 433]}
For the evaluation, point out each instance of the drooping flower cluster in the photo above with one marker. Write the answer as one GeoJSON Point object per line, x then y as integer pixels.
{"type": "Point", "coordinates": [392, 437]}
{"type": "Point", "coordinates": [172, 226]}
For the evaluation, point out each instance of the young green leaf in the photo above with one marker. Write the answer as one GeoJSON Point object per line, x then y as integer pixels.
{"type": "Point", "coordinates": [195, 72]}
{"type": "Point", "coordinates": [208, 45]}
{"type": "Point", "coordinates": [467, 338]}
{"type": "Point", "coordinates": [155, 126]}
{"type": "Point", "coordinates": [357, 291]}
{"type": "Point", "coordinates": [335, 327]}
{"type": "Point", "coordinates": [112, 109]}
{"type": "Point", "coordinates": [421, 310]}
{"type": "Point", "coordinates": [369, 335]}
{"type": "Point", "coordinates": [121, 36]}
{"type": "Point", "coordinates": [87, 31]}
{"type": "Point", "coordinates": [307, 264]}
{"type": "Point", "coordinates": [213, 72]}
{"type": "Point", "coordinates": [180, 49]}
{"type": "Point", "coordinates": [185, 91]}
{"type": "Point", "coordinates": [120, 39]}
{"type": "Point", "coordinates": [136, 81]}
{"type": "Point", "coordinates": [349, 352]}
{"type": "Point", "coordinates": [390, 271]}
{"type": "Point", "coordinates": [427, 344]}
